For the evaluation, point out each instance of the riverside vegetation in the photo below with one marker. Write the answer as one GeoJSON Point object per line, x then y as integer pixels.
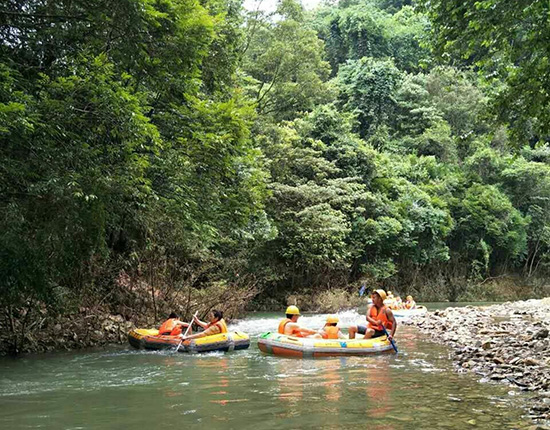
{"type": "Point", "coordinates": [176, 154]}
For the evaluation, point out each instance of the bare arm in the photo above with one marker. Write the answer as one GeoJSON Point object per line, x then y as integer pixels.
{"type": "Point", "coordinates": [199, 322]}
{"type": "Point", "coordinates": [307, 331]}
{"type": "Point", "coordinates": [369, 318]}
{"type": "Point", "coordinates": [194, 336]}
{"type": "Point", "coordinates": [214, 329]}
{"type": "Point", "coordinates": [290, 327]}
{"type": "Point", "coordinates": [392, 319]}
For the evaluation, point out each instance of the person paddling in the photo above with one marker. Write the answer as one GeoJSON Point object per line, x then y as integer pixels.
{"type": "Point", "coordinates": [290, 326]}
{"type": "Point", "coordinates": [215, 326]}
{"type": "Point", "coordinates": [172, 326]}
{"type": "Point", "coordinates": [379, 317]}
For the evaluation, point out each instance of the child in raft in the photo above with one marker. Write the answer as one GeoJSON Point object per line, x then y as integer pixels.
{"type": "Point", "coordinates": [172, 326]}
{"type": "Point", "coordinates": [331, 330]}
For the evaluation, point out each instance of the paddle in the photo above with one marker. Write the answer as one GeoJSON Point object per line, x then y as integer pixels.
{"type": "Point", "coordinates": [388, 336]}
{"type": "Point", "coordinates": [187, 331]}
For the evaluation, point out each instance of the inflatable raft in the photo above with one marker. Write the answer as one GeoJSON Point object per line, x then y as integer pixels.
{"type": "Point", "coordinates": [409, 313]}
{"type": "Point", "coordinates": [150, 339]}
{"type": "Point", "coordinates": [290, 346]}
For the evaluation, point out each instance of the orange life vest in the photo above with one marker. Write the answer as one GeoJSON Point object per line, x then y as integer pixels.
{"type": "Point", "coordinates": [220, 324]}
{"type": "Point", "coordinates": [330, 332]}
{"type": "Point", "coordinates": [168, 325]}
{"type": "Point", "coordinates": [295, 331]}
{"type": "Point", "coordinates": [379, 315]}
{"type": "Point", "coordinates": [177, 330]}
{"type": "Point", "coordinates": [410, 305]}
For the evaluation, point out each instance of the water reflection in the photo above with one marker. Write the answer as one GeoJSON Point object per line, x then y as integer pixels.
{"type": "Point", "coordinates": [331, 380]}
{"type": "Point", "coordinates": [332, 387]}
{"type": "Point", "coordinates": [290, 387]}
{"type": "Point", "coordinates": [378, 390]}
{"type": "Point", "coordinates": [222, 388]}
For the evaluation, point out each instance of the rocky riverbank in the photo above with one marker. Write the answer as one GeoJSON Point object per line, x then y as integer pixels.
{"type": "Point", "coordinates": [508, 343]}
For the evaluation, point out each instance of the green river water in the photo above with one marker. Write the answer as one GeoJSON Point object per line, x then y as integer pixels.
{"type": "Point", "coordinates": [121, 388]}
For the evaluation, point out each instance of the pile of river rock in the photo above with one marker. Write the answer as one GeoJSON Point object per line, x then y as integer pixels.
{"type": "Point", "coordinates": [509, 343]}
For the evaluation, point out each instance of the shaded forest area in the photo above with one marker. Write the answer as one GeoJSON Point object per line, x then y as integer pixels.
{"type": "Point", "coordinates": [183, 154]}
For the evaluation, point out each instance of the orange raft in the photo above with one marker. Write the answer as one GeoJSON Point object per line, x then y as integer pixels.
{"type": "Point", "coordinates": [149, 339]}
{"type": "Point", "coordinates": [290, 346]}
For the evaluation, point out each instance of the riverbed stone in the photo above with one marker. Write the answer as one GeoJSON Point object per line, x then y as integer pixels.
{"type": "Point", "coordinates": [509, 342]}
{"type": "Point", "coordinates": [531, 362]}
{"type": "Point", "coordinates": [541, 334]}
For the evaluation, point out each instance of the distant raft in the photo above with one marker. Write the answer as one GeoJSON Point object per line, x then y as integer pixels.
{"type": "Point", "coordinates": [290, 346]}
{"type": "Point", "coordinates": [149, 339]}
{"type": "Point", "coordinates": [409, 313]}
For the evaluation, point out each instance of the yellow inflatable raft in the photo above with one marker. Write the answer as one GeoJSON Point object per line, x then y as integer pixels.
{"type": "Point", "coordinates": [150, 339]}
{"type": "Point", "coordinates": [290, 346]}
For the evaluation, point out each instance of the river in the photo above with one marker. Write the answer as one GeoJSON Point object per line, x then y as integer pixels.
{"type": "Point", "coordinates": [120, 388]}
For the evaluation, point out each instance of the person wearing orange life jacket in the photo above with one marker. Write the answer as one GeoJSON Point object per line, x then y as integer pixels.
{"type": "Point", "coordinates": [290, 326]}
{"type": "Point", "coordinates": [215, 326]}
{"type": "Point", "coordinates": [331, 330]}
{"type": "Point", "coordinates": [378, 315]}
{"type": "Point", "coordinates": [410, 303]}
{"type": "Point", "coordinates": [172, 326]}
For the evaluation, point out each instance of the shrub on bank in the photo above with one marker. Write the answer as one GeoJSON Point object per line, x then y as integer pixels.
{"type": "Point", "coordinates": [36, 327]}
{"type": "Point", "coordinates": [325, 301]}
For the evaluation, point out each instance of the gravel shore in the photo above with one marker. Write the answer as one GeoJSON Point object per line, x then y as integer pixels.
{"type": "Point", "coordinates": [508, 343]}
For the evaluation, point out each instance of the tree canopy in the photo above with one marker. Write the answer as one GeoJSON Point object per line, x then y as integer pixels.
{"type": "Point", "coordinates": [374, 141]}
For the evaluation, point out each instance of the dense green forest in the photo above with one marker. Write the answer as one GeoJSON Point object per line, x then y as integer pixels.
{"type": "Point", "coordinates": [163, 153]}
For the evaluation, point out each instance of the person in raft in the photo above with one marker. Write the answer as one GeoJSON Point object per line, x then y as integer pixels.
{"type": "Point", "coordinates": [379, 316]}
{"type": "Point", "coordinates": [172, 326]}
{"type": "Point", "coordinates": [410, 303]}
{"type": "Point", "coordinates": [389, 301]}
{"type": "Point", "coordinates": [331, 330]}
{"type": "Point", "coordinates": [290, 326]}
{"type": "Point", "coordinates": [398, 304]}
{"type": "Point", "coordinates": [215, 326]}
